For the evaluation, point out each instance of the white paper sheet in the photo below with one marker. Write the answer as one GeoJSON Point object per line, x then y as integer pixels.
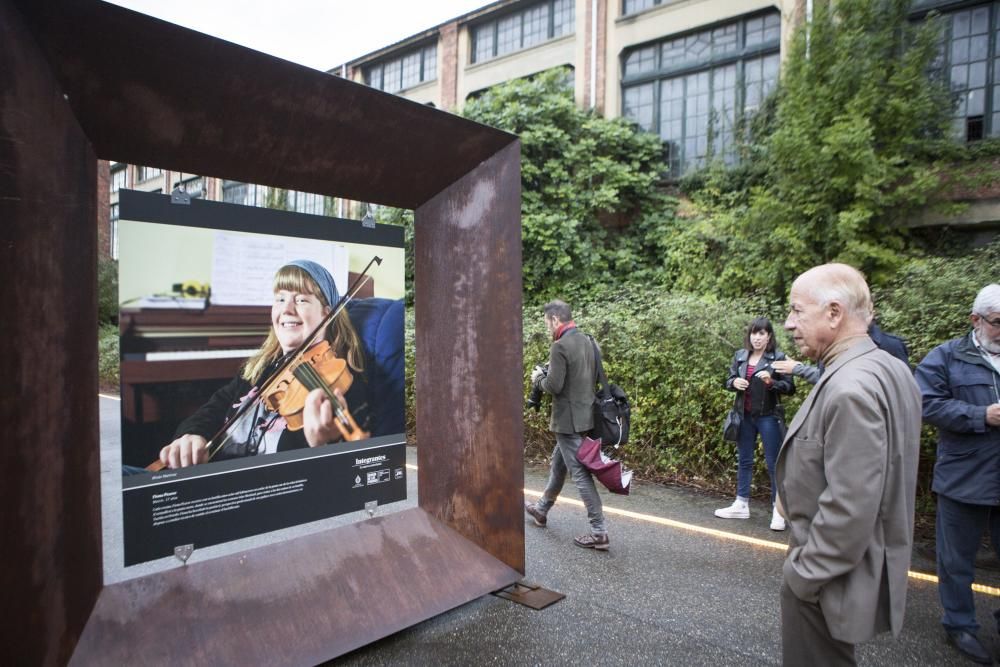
{"type": "Point", "coordinates": [243, 265]}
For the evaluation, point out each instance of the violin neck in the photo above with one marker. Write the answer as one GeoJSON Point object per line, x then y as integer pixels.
{"type": "Point", "coordinates": [311, 379]}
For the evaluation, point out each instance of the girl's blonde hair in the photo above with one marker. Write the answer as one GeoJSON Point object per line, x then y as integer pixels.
{"type": "Point", "coordinates": [340, 332]}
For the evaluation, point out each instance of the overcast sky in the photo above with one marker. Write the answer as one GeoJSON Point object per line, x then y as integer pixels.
{"type": "Point", "coordinates": [317, 33]}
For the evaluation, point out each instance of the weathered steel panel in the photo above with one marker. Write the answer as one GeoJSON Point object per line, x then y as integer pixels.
{"type": "Point", "coordinates": [223, 110]}
{"type": "Point", "coordinates": [470, 427]}
{"type": "Point", "coordinates": [238, 114]}
{"type": "Point", "coordinates": [50, 562]}
{"type": "Point", "coordinates": [299, 602]}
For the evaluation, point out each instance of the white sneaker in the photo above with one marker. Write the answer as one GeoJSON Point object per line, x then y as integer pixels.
{"type": "Point", "coordinates": [777, 521]}
{"type": "Point", "coordinates": [740, 509]}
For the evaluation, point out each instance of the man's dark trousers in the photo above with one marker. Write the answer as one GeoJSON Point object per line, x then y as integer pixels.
{"type": "Point", "coordinates": [959, 532]}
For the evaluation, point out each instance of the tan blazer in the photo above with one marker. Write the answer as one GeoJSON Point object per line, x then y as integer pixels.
{"type": "Point", "coordinates": [846, 477]}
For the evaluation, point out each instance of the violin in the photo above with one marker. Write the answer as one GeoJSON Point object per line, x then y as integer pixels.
{"type": "Point", "coordinates": [319, 368]}
{"type": "Point", "coordinates": [309, 366]}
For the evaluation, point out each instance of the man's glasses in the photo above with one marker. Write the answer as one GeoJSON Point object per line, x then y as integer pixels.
{"type": "Point", "coordinates": [993, 323]}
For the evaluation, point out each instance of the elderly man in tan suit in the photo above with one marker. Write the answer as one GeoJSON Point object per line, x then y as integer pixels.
{"type": "Point", "coordinates": [846, 477]}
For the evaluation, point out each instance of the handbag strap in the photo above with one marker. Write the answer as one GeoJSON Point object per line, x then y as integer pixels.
{"type": "Point", "coordinates": [605, 390]}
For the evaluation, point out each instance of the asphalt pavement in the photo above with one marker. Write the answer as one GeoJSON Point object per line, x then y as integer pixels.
{"type": "Point", "coordinates": [678, 587]}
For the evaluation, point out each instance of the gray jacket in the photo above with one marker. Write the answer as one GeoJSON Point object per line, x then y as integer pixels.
{"type": "Point", "coordinates": [847, 477]}
{"type": "Point", "coordinates": [571, 381]}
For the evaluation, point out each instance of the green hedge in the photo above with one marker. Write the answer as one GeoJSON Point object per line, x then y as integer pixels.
{"type": "Point", "coordinates": [107, 356]}
{"type": "Point", "coordinates": [671, 353]}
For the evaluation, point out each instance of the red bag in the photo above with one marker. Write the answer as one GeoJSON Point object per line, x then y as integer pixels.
{"type": "Point", "coordinates": [609, 472]}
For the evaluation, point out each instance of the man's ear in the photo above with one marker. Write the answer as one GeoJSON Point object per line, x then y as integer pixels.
{"type": "Point", "coordinates": [834, 314]}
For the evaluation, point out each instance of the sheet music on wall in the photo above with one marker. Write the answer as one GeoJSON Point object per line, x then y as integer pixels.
{"type": "Point", "coordinates": [243, 265]}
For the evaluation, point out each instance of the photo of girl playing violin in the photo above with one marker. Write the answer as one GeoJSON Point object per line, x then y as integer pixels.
{"type": "Point", "coordinates": [319, 399]}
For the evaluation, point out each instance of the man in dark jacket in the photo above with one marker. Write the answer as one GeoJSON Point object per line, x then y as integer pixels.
{"type": "Point", "coordinates": [571, 381]}
{"type": "Point", "coordinates": [960, 384]}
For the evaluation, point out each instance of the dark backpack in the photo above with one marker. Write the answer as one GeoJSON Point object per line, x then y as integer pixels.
{"type": "Point", "coordinates": [612, 412]}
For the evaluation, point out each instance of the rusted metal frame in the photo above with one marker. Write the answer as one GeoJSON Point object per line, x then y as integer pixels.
{"type": "Point", "coordinates": [469, 356]}
{"type": "Point", "coordinates": [99, 56]}
{"type": "Point", "coordinates": [307, 130]}
{"type": "Point", "coordinates": [50, 562]}
{"type": "Point", "coordinates": [299, 602]}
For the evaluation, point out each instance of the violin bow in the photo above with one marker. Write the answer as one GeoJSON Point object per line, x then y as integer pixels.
{"type": "Point", "coordinates": [213, 447]}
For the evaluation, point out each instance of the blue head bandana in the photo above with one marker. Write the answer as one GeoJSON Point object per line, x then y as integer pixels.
{"type": "Point", "coordinates": [321, 277]}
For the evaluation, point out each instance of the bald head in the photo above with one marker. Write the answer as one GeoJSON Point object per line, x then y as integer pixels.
{"type": "Point", "coordinates": [828, 303]}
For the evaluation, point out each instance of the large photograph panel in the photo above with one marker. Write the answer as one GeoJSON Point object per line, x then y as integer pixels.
{"type": "Point", "coordinates": [262, 370]}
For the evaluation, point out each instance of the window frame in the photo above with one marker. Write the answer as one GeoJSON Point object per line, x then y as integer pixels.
{"type": "Point", "coordinates": [427, 52]}
{"type": "Point", "coordinates": [493, 24]}
{"type": "Point", "coordinates": [991, 79]}
{"type": "Point", "coordinates": [659, 74]}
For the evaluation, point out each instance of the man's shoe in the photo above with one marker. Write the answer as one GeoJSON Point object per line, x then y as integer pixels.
{"type": "Point", "coordinates": [969, 646]}
{"type": "Point", "coordinates": [777, 521]}
{"type": "Point", "coordinates": [738, 510]}
{"type": "Point", "coordinates": [536, 515]}
{"type": "Point", "coordinates": [592, 541]}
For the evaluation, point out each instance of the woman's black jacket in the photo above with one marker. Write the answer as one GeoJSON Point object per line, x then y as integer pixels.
{"type": "Point", "coordinates": [763, 399]}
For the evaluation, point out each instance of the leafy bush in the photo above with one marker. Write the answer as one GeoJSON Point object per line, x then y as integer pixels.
{"type": "Point", "coordinates": [107, 290]}
{"type": "Point", "coordinates": [108, 357]}
{"type": "Point", "coordinates": [671, 354]}
{"type": "Point", "coordinates": [590, 197]}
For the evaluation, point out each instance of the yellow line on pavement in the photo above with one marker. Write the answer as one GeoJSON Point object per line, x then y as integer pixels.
{"type": "Point", "coordinates": [920, 576]}
{"type": "Point", "coordinates": [113, 398]}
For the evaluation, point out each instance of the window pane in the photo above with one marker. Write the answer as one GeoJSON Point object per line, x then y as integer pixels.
{"type": "Point", "coordinates": [509, 34]}
{"type": "Point", "coordinates": [723, 111]}
{"type": "Point", "coordinates": [373, 76]}
{"type": "Point", "coordinates": [643, 60]}
{"type": "Point", "coordinates": [484, 42]}
{"type": "Point", "coordinates": [977, 74]}
{"type": "Point", "coordinates": [772, 27]}
{"type": "Point", "coordinates": [633, 6]}
{"type": "Point", "coordinates": [960, 24]}
{"type": "Point", "coordinates": [430, 63]}
{"type": "Point", "coordinates": [411, 70]}
{"type": "Point", "coordinates": [536, 25]}
{"type": "Point", "coordinates": [672, 53]}
{"type": "Point", "coordinates": [698, 46]}
{"type": "Point", "coordinates": [117, 180]}
{"type": "Point", "coordinates": [724, 39]}
{"type": "Point", "coordinates": [563, 18]}
{"type": "Point", "coordinates": [392, 82]}
{"type": "Point", "coordinates": [235, 192]}
{"type": "Point", "coordinates": [638, 105]}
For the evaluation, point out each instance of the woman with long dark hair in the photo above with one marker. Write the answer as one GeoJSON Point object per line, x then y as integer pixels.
{"type": "Point", "coordinates": [758, 387]}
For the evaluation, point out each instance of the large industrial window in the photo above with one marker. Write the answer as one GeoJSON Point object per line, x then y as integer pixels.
{"type": "Point", "coordinates": [971, 61]}
{"type": "Point", "coordinates": [694, 89]}
{"type": "Point", "coordinates": [411, 69]}
{"type": "Point", "coordinates": [522, 29]}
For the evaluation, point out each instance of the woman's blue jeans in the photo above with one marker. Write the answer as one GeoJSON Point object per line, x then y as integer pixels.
{"type": "Point", "coordinates": [770, 433]}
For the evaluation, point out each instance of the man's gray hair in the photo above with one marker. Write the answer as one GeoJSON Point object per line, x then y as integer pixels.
{"type": "Point", "coordinates": [559, 309]}
{"type": "Point", "coordinates": [845, 285]}
{"type": "Point", "coordinates": [988, 300]}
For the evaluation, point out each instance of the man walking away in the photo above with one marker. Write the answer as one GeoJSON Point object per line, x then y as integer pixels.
{"type": "Point", "coordinates": [960, 384]}
{"type": "Point", "coordinates": [571, 381]}
{"type": "Point", "coordinates": [847, 477]}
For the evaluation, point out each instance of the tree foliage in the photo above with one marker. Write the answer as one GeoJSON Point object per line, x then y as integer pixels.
{"type": "Point", "coordinates": [590, 197]}
{"type": "Point", "coordinates": [847, 158]}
